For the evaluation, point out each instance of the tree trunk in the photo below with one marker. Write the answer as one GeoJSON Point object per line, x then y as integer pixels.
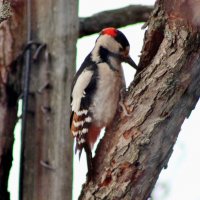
{"type": "Point", "coordinates": [47, 167]}
{"type": "Point", "coordinates": [136, 148]}
{"type": "Point", "coordinates": [12, 34]}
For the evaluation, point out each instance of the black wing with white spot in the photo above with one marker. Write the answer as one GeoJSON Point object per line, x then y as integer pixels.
{"type": "Point", "coordinates": [83, 89]}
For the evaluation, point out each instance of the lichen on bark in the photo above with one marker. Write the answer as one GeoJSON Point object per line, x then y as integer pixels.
{"type": "Point", "coordinates": [5, 10]}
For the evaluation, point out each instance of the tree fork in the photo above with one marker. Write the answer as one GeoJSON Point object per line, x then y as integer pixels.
{"type": "Point", "coordinates": [136, 148]}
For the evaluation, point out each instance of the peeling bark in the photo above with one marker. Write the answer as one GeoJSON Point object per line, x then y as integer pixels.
{"type": "Point", "coordinates": [136, 148]}
{"type": "Point", "coordinates": [114, 18]}
{"type": "Point", "coordinates": [11, 39]}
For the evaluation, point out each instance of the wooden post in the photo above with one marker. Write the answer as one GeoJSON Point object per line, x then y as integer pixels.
{"type": "Point", "coordinates": [48, 145]}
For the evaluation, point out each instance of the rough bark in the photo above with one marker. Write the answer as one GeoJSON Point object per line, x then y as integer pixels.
{"type": "Point", "coordinates": [137, 147]}
{"type": "Point", "coordinates": [12, 37]}
{"type": "Point", "coordinates": [114, 18]}
{"type": "Point", "coordinates": [12, 34]}
{"type": "Point", "coordinates": [48, 144]}
{"type": "Point", "coordinates": [5, 10]}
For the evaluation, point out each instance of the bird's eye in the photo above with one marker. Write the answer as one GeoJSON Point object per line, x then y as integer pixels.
{"type": "Point", "coordinates": [120, 49]}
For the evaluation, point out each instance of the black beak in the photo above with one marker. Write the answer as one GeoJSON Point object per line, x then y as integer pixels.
{"type": "Point", "coordinates": [130, 61]}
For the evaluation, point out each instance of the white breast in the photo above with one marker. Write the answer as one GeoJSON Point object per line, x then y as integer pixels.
{"type": "Point", "coordinates": [107, 96]}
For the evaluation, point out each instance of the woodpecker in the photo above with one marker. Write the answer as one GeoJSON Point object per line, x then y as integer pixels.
{"type": "Point", "coordinates": [96, 87]}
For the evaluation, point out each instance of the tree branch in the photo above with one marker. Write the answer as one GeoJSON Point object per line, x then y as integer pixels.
{"type": "Point", "coordinates": [114, 18]}
{"type": "Point", "coordinates": [136, 148]}
{"type": "Point", "coordinates": [5, 11]}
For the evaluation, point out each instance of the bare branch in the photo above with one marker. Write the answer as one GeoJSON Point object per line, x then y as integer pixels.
{"type": "Point", "coordinates": [5, 11]}
{"type": "Point", "coordinates": [114, 18]}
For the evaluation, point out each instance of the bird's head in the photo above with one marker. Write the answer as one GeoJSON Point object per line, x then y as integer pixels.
{"type": "Point", "coordinates": [114, 43]}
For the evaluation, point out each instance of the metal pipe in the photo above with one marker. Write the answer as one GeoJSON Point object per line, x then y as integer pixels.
{"type": "Point", "coordinates": [26, 83]}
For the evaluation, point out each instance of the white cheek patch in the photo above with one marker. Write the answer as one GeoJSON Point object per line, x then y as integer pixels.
{"type": "Point", "coordinates": [107, 42]}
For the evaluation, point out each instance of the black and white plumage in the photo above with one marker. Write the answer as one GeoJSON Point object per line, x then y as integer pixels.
{"type": "Point", "coordinates": [96, 89]}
